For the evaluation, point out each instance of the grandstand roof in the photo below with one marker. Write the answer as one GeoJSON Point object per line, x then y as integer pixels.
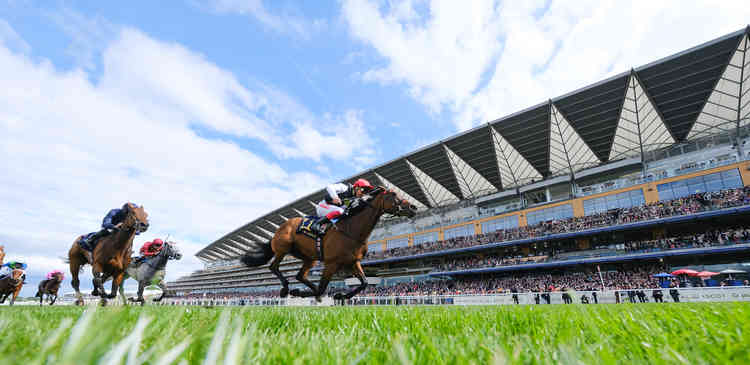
{"type": "Point", "coordinates": [697, 92]}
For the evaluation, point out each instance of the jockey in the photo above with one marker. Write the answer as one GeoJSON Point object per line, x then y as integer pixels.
{"type": "Point", "coordinates": [8, 268]}
{"type": "Point", "coordinates": [152, 248]}
{"type": "Point", "coordinates": [338, 196]}
{"type": "Point", "coordinates": [110, 222]}
{"type": "Point", "coordinates": [52, 274]}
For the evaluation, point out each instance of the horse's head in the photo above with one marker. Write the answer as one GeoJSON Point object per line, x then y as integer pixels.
{"type": "Point", "coordinates": [389, 202]}
{"type": "Point", "coordinates": [171, 250]}
{"type": "Point", "coordinates": [58, 276]}
{"type": "Point", "coordinates": [136, 217]}
{"type": "Point", "coordinates": [16, 277]}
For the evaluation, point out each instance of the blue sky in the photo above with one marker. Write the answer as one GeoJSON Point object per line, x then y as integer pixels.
{"type": "Point", "coordinates": [211, 113]}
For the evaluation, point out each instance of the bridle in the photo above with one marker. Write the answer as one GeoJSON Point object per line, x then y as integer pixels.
{"type": "Point", "coordinates": [139, 226]}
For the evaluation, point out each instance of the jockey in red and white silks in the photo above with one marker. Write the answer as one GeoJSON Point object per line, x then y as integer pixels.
{"type": "Point", "coordinates": [332, 206]}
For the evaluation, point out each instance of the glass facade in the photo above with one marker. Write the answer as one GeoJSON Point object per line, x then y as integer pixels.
{"type": "Point", "coordinates": [542, 215]}
{"type": "Point", "coordinates": [460, 231]}
{"type": "Point", "coordinates": [625, 199]}
{"type": "Point", "coordinates": [508, 222]}
{"type": "Point", "coordinates": [426, 237]}
{"type": "Point", "coordinates": [375, 247]}
{"type": "Point", "coordinates": [729, 179]}
{"type": "Point", "coordinates": [399, 242]}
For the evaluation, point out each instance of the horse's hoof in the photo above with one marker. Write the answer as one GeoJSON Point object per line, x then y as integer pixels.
{"type": "Point", "coordinates": [131, 299]}
{"type": "Point", "coordinates": [318, 299]}
{"type": "Point", "coordinates": [95, 293]}
{"type": "Point", "coordinates": [103, 302]}
{"type": "Point", "coordinates": [284, 292]}
{"type": "Point", "coordinates": [293, 292]}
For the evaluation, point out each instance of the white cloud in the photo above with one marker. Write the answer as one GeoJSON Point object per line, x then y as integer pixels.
{"type": "Point", "coordinates": [88, 36]}
{"type": "Point", "coordinates": [10, 39]}
{"type": "Point", "coordinates": [483, 60]}
{"type": "Point", "coordinates": [284, 23]}
{"type": "Point", "coordinates": [72, 148]}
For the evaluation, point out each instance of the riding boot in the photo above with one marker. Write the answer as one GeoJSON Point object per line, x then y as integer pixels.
{"type": "Point", "coordinates": [319, 223]}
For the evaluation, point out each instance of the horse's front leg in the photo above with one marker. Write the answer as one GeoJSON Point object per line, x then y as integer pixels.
{"type": "Point", "coordinates": [360, 274]}
{"type": "Point", "coordinates": [122, 293]}
{"type": "Point", "coordinates": [98, 281]}
{"type": "Point", "coordinates": [54, 298]}
{"type": "Point", "coordinates": [15, 295]}
{"type": "Point", "coordinates": [163, 288]}
{"type": "Point", "coordinates": [141, 288]}
{"type": "Point", "coordinates": [117, 279]}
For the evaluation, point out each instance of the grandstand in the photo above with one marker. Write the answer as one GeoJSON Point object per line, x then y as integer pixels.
{"type": "Point", "coordinates": [645, 169]}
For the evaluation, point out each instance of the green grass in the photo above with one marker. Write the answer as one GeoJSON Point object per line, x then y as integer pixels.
{"type": "Point", "coordinates": [717, 333]}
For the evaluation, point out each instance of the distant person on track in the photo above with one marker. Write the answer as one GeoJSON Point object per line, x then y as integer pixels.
{"type": "Point", "coordinates": [338, 197]}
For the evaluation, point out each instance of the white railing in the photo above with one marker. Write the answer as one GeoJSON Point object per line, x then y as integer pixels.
{"type": "Point", "coordinates": [707, 294]}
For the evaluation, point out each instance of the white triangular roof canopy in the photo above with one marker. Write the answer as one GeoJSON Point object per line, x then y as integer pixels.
{"type": "Point", "coordinates": [436, 193]}
{"type": "Point", "coordinates": [720, 113]}
{"type": "Point", "coordinates": [514, 169]}
{"type": "Point", "coordinates": [639, 123]}
{"type": "Point", "coordinates": [567, 148]}
{"type": "Point", "coordinates": [472, 184]}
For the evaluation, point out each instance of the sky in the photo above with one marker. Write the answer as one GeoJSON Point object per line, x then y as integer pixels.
{"type": "Point", "coordinates": [210, 113]}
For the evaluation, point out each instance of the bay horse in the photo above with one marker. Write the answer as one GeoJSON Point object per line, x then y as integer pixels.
{"type": "Point", "coordinates": [151, 271]}
{"type": "Point", "coordinates": [11, 285]}
{"type": "Point", "coordinates": [49, 287]}
{"type": "Point", "coordinates": [343, 246]}
{"type": "Point", "coordinates": [111, 255]}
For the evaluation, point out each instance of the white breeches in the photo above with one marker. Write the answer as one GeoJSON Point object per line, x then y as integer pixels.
{"type": "Point", "coordinates": [329, 210]}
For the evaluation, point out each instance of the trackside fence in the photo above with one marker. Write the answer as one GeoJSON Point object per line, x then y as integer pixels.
{"type": "Point", "coordinates": [711, 294]}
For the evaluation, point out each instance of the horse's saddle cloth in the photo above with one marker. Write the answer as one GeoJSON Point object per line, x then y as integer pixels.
{"type": "Point", "coordinates": [86, 242]}
{"type": "Point", "coordinates": [306, 227]}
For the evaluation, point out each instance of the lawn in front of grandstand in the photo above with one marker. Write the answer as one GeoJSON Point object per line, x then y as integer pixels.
{"type": "Point", "coordinates": [716, 333]}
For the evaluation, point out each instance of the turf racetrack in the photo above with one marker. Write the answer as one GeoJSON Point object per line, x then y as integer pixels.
{"type": "Point", "coordinates": [717, 333]}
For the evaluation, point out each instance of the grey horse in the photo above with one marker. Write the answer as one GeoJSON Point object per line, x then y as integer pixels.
{"type": "Point", "coordinates": [150, 271]}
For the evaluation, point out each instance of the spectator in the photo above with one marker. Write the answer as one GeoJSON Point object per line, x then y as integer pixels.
{"type": "Point", "coordinates": [674, 292]}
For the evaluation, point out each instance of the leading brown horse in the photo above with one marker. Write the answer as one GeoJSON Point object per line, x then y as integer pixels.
{"type": "Point", "coordinates": [11, 285]}
{"type": "Point", "coordinates": [111, 255]}
{"type": "Point", "coordinates": [343, 246]}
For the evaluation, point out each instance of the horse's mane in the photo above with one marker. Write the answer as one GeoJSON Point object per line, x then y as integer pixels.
{"type": "Point", "coordinates": [344, 222]}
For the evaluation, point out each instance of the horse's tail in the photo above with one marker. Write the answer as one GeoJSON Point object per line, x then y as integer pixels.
{"type": "Point", "coordinates": [258, 255]}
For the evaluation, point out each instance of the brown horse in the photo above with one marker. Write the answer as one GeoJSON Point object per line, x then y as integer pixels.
{"type": "Point", "coordinates": [50, 287]}
{"type": "Point", "coordinates": [2, 254]}
{"type": "Point", "coordinates": [111, 255]}
{"type": "Point", "coordinates": [11, 285]}
{"type": "Point", "coordinates": [343, 246]}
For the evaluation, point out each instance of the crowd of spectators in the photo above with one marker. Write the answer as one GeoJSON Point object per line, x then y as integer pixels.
{"type": "Point", "coordinates": [619, 279]}
{"type": "Point", "coordinates": [700, 240]}
{"type": "Point", "coordinates": [682, 206]}
{"type": "Point", "coordinates": [624, 278]}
